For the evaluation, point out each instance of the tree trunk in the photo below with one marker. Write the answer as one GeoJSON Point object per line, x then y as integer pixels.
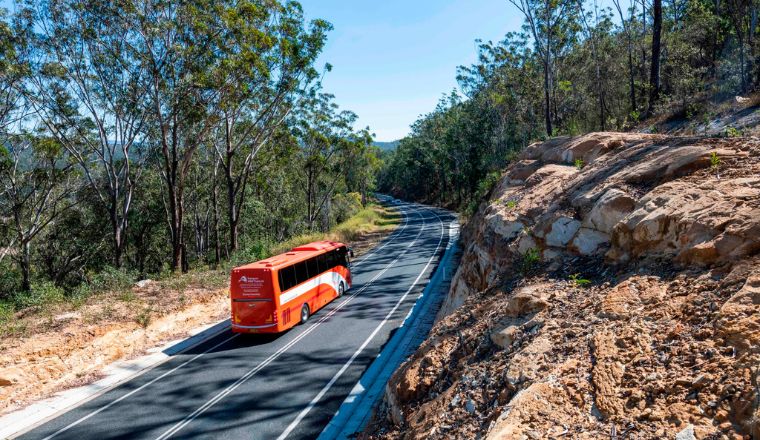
{"type": "Point", "coordinates": [632, 82]}
{"type": "Point", "coordinates": [742, 66]}
{"type": "Point", "coordinates": [233, 218]}
{"type": "Point", "coordinates": [547, 101]}
{"type": "Point", "coordinates": [654, 74]}
{"type": "Point", "coordinates": [215, 202]}
{"type": "Point", "coordinates": [118, 235]}
{"type": "Point", "coordinates": [176, 226]}
{"type": "Point", "coordinates": [26, 266]}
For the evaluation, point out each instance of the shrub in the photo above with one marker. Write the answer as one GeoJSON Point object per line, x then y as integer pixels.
{"type": "Point", "coordinates": [715, 162]}
{"type": "Point", "coordinates": [579, 163]}
{"type": "Point", "coordinates": [578, 281]}
{"type": "Point", "coordinates": [732, 132]}
{"type": "Point", "coordinates": [112, 279]}
{"type": "Point", "coordinates": [530, 259]}
{"type": "Point", "coordinates": [78, 296]}
{"type": "Point", "coordinates": [44, 293]}
{"type": "Point", "coordinates": [143, 318]}
{"type": "Point", "coordinates": [6, 311]}
{"type": "Point", "coordinates": [346, 206]}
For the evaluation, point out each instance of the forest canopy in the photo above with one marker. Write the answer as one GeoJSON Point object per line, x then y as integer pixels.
{"type": "Point", "coordinates": [575, 67]}
{"type": "Point", "coordinates": [146, 136]}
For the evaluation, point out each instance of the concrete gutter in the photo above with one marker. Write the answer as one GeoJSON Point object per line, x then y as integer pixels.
{"type": "Point", "coordinates": [357, 409]}
{"type": "Point", "coordinates": [18, 422]}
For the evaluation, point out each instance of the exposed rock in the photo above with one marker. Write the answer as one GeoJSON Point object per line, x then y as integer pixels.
{"type": "Point", "coordinates": [610, 209]}
{"type": "Point", "coordinates": [506, 336]}
{"type": "Point", "coordinates": [590, 241]}
{"type": "Point", "coordinates": [143, 283]}
{"type": "Point", "coordinates": [739, 317]}
{"type": "Point", "coordinates": [662, 342]}
{"type": "Point", "coordinates": [562, 231]}
{"type": "Point", "coordinates": [686, 434]}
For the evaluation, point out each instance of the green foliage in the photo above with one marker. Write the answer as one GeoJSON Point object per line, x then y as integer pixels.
{"type": "Point", "coordinates": [7, 309]}
{"type": "Point", "coordinates": [570, 70]}
{"type": "Point", "coordinates": [579, 164]}
{"type": "Point", "coordinates": [714, 160]}
{"type": "Point", "coordinates": [110, 279]}
{"type": "Point", "coordinates": [42, 294]}
{"type": "Point", "coordinates": [579, 281]}
{"type": "Point", "coordinates": [530, 260]}
{"type": "Point", "coordinates": [262, 154]}
{"type": "Point", "coordinates": [510, 204]}
{"type": "Point", "coordinates": [732, 132]}
{"type": "Point", "coordinates": [143, 318]}
{"type": "Point", "coordinates": [486, 184]}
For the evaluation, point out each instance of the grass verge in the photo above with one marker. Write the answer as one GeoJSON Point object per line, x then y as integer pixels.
{"type": "Point", "coordinates": [112, 295]}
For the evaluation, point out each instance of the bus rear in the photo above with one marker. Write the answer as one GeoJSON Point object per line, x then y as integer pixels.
{"type": "Point", "coordinates": [252, 291]}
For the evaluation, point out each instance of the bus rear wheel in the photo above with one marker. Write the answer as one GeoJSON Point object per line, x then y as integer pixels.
{"type": "Point", "coordinates": [341, 289]}
{"type": "Point", "coordinates": [305, 313]}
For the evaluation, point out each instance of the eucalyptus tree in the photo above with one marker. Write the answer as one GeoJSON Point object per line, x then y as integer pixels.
{"type": "Point", "coordinates": [552, 25]}
{"type": "Point", "coordinates": [654, 71]}
{"type": "Point", "coordinates": [325, 134]}
{"type": "Point", "coordinates": [36, 186]}
{"type": "Point", "coordinates": [269, 51]}
{"type": "Point", "coordinates": [627, 25]}
{"type": "Point", "coordinates": [181, 46]}
{"type": "Point", "coordinates": [90, 91]}
{"type": "Point", "coordinates": [12, 111]}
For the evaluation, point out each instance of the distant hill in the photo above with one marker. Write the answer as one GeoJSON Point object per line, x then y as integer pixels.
{"type": "Point", "coordinates": [386, 146]}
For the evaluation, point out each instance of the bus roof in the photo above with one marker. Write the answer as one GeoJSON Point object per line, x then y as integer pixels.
{"type": "Point", "coordinates": [294, 255]}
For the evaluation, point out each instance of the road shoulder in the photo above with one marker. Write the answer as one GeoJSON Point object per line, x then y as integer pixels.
{"type": "Point", "coordinates": [358, 407]}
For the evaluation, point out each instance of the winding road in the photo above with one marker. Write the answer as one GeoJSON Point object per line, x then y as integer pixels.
{"type": "Point", "coordinates": [272, 387]}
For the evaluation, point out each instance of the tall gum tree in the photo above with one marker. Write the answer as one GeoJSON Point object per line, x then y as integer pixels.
{"type": "Point", "coordinates": [270, 51]}
{"type": "Point", "coordinates": [90, 92]}
{"type": "Point", "coordinates": [181, 47]}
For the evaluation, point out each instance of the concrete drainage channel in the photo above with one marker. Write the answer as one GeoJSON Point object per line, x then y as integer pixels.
{"type": "Point", "coordinates": [356, 410]}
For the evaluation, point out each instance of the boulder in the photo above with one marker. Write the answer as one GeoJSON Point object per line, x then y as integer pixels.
{"type": "Point", "coordinates": [590, 241]}
{"type": "Point", "coordinates": [612, 207]}
{"type": "Point", "coordinates": [562, 231]}
{"type": "Point", "coordinates": [504, 337]}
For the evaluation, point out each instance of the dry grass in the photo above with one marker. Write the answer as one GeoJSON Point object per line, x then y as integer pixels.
{"type": "Point", "coordinates": [371, 220]}
{"type": "Point", "coordinates": [123, 302]}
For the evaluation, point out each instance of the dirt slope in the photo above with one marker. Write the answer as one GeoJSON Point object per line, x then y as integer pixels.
{"type": "Point", "coordinates": [610, 288]}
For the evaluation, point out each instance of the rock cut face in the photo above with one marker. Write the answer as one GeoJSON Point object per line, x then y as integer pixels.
{"type": "Point", "coordinates": [661, 341]}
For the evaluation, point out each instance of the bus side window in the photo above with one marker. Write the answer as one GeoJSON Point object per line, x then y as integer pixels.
{"type": "Point", "coordinates": [313, 267]}
{"type": "Point", "coordinates": [322, 263]}
{"type": "Point", "coordinates": [288, 275]}
{"type": "Point", "coordinates": [301, 272]}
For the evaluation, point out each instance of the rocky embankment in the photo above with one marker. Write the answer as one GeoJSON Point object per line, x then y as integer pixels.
{"type": "Point", "coordinates": [609, 288]}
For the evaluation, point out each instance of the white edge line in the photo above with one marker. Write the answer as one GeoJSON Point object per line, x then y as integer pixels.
{"type": "Point", "coordinates": [356, 354]}
{"type": "Point", "coordinates": [99, 393]}
{"type": "Point", "coordinates": [200, 410]}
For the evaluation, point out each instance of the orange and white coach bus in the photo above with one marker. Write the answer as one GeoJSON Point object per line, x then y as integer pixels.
{"type": "Point", "coordinates": [275, 294]}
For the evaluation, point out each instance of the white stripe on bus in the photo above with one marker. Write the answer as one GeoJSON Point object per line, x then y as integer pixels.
{"type": "Point", "coordinates": [332, 279]}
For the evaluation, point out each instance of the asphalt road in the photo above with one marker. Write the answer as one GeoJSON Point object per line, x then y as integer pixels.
{"type": "Point", "coordinates": [271, 387]}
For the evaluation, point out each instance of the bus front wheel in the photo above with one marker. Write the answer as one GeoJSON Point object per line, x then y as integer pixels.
{"type": "Point", "coordinates": [305, 313]}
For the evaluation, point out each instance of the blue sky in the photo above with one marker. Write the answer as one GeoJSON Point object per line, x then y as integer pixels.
{"type": "Point", "coordinates": [393, 59]}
